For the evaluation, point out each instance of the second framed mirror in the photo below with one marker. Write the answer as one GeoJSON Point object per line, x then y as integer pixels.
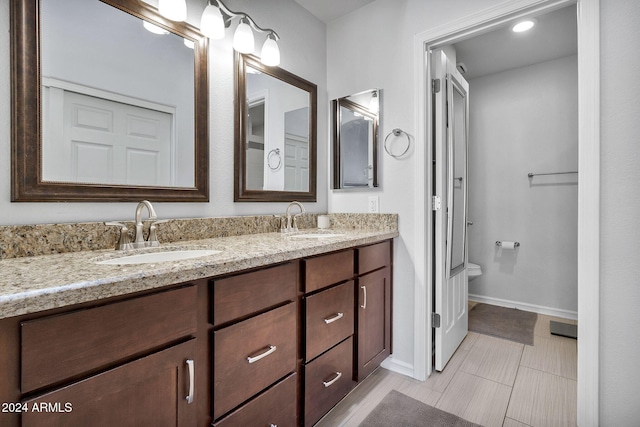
{"type": "Point", "coordinates": [275, 134]}
{"type": "Point", "coordinates": [355, 140]}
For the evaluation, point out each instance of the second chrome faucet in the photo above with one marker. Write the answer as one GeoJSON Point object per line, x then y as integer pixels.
{"type": "Point", "coordinates": [289, 223]}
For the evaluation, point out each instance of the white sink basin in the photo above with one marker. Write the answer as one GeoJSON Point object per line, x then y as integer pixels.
{"type": "Point", "coordinates": [153, 257]}
{"type": "Point", "coordinates": [316, 235]}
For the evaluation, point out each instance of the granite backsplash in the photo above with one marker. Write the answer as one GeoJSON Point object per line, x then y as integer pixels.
{"type": "Point", "coordinates": [45, 239]}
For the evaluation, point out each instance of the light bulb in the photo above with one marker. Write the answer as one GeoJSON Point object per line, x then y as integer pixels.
{"type": "Point", "coordinates": [212, 23]}
{"type": "Point", "coordinates": [176, 10]}
{"type": "Point", "coordinates": [270, 53]}
{"type": "Point", "coordinates": [523, 26]}
{"type": "Point", "coordinates": [243, 38]}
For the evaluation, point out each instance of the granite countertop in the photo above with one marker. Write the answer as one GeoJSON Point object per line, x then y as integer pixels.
{"type": "Point", "coordinates": [32, 284]}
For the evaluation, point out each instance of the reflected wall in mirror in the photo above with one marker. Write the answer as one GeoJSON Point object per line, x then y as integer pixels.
{"type": "Point", "coordinates": [121, 98]}
{"type": "Point", "coordinates": [275, 154]}
{"type": "Point", "coordinates": [355, 140]}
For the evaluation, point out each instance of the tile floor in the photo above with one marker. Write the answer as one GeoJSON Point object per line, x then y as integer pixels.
{"type": "Point", "coordinates": [489, 381]}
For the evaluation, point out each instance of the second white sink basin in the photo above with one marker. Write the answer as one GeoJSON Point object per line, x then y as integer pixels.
{"type": "Point", "coordinates": [153, 257]}
{"type": "Point", "coordinates": [316, 235]}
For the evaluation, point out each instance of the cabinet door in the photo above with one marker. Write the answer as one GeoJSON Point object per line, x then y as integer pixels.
{"type": "Point", "coordinates": [374, 321]}
{"type": "Point", "coordinates": [151, 391]}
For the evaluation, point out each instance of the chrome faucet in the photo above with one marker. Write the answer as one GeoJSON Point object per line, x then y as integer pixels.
{"type": "Point", "coordinates": [139, 241]}
{"type": "Point", "coordinates": [292, 224]}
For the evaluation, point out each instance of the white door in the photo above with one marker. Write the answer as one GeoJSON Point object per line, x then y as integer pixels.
{"type": "Point", "coordinates": [96, 140]}
{"type": "Point", "coordinates": [296, 163]}
{"type": "Point", "coordinates": [451, 111]}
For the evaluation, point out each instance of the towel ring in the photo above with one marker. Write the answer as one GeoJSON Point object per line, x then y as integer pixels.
{"type": "Point", "coordinates": [272, 153]}
{"type": "Point", "coordinates": [397, 132]}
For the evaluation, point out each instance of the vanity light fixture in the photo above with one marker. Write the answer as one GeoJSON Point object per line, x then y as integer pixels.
{"type": "Point", "coordinates": [217, 17]}
{"type": "Point", "coordinates": [523, 26]}
{"type": "Point", "coordinates": [175, 10]}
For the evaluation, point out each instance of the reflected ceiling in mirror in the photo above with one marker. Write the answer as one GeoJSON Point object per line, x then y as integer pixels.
{"type": "Point", "coordinates": [275, 134]}
{"type": "Point", "coordinates": [355, 140]}
{"type": "Point", "coordinates": [123, 110]}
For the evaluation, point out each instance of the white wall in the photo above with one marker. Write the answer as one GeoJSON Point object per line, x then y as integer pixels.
{"type": "Point", "coordinates": [620, 208]}
{"type": "Point", "coordinates": [303, 52]}
{"type": "Point", "coordinates": [373, 48]}
{"type": "Point", "coordinates": [385, 61]}
{"type": "Point", "coordinates": [525, 120]}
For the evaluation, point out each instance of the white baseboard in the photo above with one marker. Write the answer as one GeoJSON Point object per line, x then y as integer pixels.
{"type": "Point", "coordinates": [549, 311]}
{"type": "Point", "coordinates": [398, 366]}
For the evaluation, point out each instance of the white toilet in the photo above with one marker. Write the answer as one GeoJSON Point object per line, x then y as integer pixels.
{"type": "Point", "coordinates": [473, 271]}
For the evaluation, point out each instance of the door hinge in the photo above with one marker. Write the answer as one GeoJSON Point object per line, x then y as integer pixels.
{"type": "Point", "coordinates": [435, 85]}
{"type": "Point", "coordinates": [435, 320]}
{"type": "Point", "coordinates": [436, 203]}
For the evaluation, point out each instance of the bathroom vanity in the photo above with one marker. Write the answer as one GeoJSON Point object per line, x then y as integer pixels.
{"type": "Point", "coordinates": [271, 330]}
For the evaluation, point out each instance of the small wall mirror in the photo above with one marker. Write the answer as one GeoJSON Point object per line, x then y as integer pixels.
{"type": "Point", "coordinates": [275, 147]}
{"type": "Point", "coordinates": [110, 103]}
{"type": "Point", "coordinates": [355, 140]}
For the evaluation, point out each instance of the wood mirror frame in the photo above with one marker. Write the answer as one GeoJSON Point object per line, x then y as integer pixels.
{"type": "Point", "coordinates": [241, 193]}
{"type": "Point", "coordinates": [26, 127]}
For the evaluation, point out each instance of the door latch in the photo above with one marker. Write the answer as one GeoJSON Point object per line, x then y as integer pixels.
{"type": "Point", "coordinates": [435, 320]}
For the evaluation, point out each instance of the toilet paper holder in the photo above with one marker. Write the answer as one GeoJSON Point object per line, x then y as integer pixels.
{"type": "Point", "coordinates": [515, 244]}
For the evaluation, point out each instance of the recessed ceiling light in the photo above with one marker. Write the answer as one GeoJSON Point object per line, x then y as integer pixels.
{"type": "Point", "coordinates": [523, 26]}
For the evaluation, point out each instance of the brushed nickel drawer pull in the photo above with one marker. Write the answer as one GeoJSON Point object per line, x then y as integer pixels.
{"type": "Point", "coordinates": [330, 383]}
{"type": "Point", "coordinates": [334, 318]}
{"type": "Point", "coordinates": [271, 349]}
{"type": "Point", "coordinates": [190, 365]}
{"type": "Point", "coordinates": [364, 304]}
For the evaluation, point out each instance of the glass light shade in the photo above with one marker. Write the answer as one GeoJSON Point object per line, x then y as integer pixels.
{"type": "Point", "coordinates": [212, 23]}
{"type": "Point", "coordinates": [189, 43]}
{"type": "Point", "coordinates": [154, 28]}
{"type": "Point", "coordinates": [176, 10]}
{"type": "Point", "coordinates": [270, 53]}
{"type": "Point", "coordinates": [243, 38]}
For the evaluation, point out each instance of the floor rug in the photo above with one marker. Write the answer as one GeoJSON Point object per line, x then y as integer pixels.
{"type": "Point", "coordinates": [508, 323]}
{"type": "Point", "coordinates": [400, 410]}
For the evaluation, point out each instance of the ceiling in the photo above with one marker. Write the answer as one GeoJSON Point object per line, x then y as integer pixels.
{"type": "Point", "coordinates": [553, 37]}
{"type": "Point", "coordinates": [328, 10]}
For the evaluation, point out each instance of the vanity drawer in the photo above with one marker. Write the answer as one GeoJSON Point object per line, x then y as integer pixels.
{"type": "Point", "coordinates": [60, 347]}
{"type": "Point", "coordinates": [274, 407]}
{"type": "Point", "coordinates": [329, 269]}
{"type": "Point", "coordinates": [239, 296]}
{"type": "Point", "coordinates": [373, 257]}
{"type": "Point", "coordinates": [327, 380]}
{"type": "Point", "coordinates": [251, 355]}
{"type": "Point", "coordinates": [329, 318]}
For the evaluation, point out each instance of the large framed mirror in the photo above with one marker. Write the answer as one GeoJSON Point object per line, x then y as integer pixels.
{"type": "Point", "coordinates": [109, 103]}
{"type": "Point", "coordinates": [355, 121]}
{"type": "Point", "coordinates": [275, 134]}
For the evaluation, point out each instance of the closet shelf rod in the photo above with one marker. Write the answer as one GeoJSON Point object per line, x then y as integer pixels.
{"type": "Point", "coordinates": [530, 175]}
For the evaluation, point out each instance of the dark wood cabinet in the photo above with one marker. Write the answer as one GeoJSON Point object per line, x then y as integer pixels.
{"type": "Point", "coordinates": [152, 390]}
{"type": "Point", "coordinates": [275, 345]}
{"type": "Point", "coordinates": [374, 307]}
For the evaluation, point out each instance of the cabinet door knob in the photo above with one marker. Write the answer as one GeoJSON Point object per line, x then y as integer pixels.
{"type": "Point", "coordinates": [252, 359]}
{"type": "Point", "coordinates": [364, 290]}
{"type": "Point", "coordinates": [333, 318]}
{"type": "Point", "coordinates": [330, 383]}
{"type": "Point", "coordinates": [191, 367]}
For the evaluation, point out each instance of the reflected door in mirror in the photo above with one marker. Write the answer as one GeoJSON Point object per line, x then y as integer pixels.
{"type": "Point", "coordinates": [117, 99]}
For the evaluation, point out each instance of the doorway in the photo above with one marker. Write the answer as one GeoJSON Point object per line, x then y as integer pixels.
{"type": "Point", "coordinates": [588, 194]}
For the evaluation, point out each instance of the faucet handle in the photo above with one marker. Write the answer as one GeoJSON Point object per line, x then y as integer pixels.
{"type": "Point", "coordinates": [124, 242]}
{"type": "Point", "coordinates": [153, 236]}
{"type": "Point", "coordinates": [283, 223]}
{"type": "Point", "coordinates": [294, 225]}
